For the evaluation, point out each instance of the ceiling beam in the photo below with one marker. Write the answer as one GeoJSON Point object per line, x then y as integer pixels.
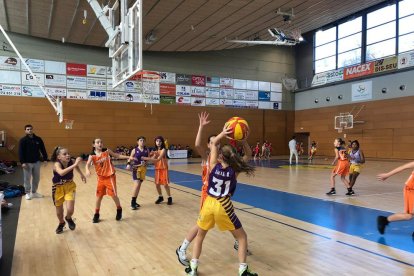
{"type": "Point", "coordinates": [52, 12]}
{"type": "Point", "coordinates": [3, 7]}
{"type": "Point", "coordinates": [28, 17]}
{"type": "Point", "coordinates": [72, 21]}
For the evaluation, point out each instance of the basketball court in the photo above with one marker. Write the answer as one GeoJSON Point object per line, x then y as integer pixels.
{"type": "Point", "coordinates": [293, 226]}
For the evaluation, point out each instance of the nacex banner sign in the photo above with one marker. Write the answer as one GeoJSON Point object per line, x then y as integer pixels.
{"type": "Point", "coordinates": [359, 70]}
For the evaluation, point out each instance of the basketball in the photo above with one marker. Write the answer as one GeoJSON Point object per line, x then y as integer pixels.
{"type": "Point", "coordinates": [240, 128]}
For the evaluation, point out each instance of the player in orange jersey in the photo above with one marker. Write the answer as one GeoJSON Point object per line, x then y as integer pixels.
{"type": "Point", "coordinates": [101, 159]}
{"type": "Point", "coordinates": [408, 214]}
{"type": "Point", "coordinates": [342, 166]}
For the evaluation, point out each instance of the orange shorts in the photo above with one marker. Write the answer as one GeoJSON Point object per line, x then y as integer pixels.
{"type": "Point", "coordinates": [341, 168]}
{"type": "Point", "coordinates": [106, 186]}
{"type": "Point", "coordinates": [161, 177]}
{"type": "Point", "coordinates": [203, 195]}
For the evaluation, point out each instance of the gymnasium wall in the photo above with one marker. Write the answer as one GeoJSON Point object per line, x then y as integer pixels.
{"type": "Point", "coordinates": [386, 122]}
{"type": "Point", "coordinates": [122, 123]}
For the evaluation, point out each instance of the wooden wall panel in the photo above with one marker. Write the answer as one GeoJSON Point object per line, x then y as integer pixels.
{"type": "Point", "coordinates": [121, 123]}
{"type": "Point", "coordinates": [387, 131]}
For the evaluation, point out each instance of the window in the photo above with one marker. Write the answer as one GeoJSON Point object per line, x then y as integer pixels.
{"type": "Point", "coordinates": [325, 50]}
{"type": "Point", "coordinates": [381, 49]}
{"type": "Point", "coordinates": [349, 58]}
{"type": "Point", "coordinates": [322, 37]}
{"type": "Point", "coordinates": [325, 64]}
{"type": "Point", "coordinates": [350, 27]}
{"type": "Point", "coordinates": [406, 7]}
{"type": "Point", "coordinates": [380, 33]}
{"type": "Point", "coordinates": [350, 42]}
{"type": "Point", "coordinates": [381, 16]}
{"type": "Point", "coordinates": [406, 25]}
{"type": "Point", "coordinates": [406, 43]}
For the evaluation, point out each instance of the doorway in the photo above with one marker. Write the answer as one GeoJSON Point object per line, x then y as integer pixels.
{"type": "Point", "coordinates": [302, 138]}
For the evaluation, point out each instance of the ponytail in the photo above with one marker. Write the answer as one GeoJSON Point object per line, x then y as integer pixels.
{"type": "Point", "coordinates": [55, 153]}
{"type": "Point", "coordinates": [235, 161]}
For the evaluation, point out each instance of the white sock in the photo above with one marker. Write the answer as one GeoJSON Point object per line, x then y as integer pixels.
{"type": "Point", "coordinates": [242, 266]}
{"type": "Point", "coordinates": [194, 262]}
{"type": "Point", "coordinates": [184, 245]}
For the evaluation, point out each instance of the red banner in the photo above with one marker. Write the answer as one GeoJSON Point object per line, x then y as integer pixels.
{"type": "Point", "coordinates": [75, 69]}
{"type": "Point", "coordinates": [198, 80]}
{"type": "Point", "coordinates": [359, 70]}
{"type": "Point", "coordinates": [167, 89]}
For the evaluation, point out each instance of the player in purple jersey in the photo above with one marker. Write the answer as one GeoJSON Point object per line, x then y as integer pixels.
{"type": "Point", "coordinates": [64, 189]}
{"type": "Point", "coordinates": [139, 155]}
{"type": "Point", "coordinates": [225, 165]}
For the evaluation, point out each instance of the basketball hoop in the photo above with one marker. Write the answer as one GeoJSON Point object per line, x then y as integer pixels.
{"type": "Point", "coordinates": [68, 123]}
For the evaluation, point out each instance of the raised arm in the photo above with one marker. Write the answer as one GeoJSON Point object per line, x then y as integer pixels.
{"type": "Point", "coordinates": [214, 151]}
{"type": "Point", "coordinates": [199, 145]}
{"type": "Point", "coordinates": [384, 176]}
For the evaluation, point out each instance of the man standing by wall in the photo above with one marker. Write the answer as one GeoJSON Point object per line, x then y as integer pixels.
{"type": "Point", "coordinates": [30, 149]}
{"type": "Point", "coordinates": [293, 150]}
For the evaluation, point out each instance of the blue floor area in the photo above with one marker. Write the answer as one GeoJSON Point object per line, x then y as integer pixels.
{"type": "Point", "coordinates": [349, 219]}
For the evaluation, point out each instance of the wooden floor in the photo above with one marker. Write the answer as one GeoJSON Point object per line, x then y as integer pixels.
{"type": "Point", "coordinates": [144, 242]}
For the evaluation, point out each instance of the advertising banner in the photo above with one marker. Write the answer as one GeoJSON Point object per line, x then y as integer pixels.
{"type": "Point", "coordinates": [227, 93]}
{"type": "Point", "coordinates": [362, 91]}
{"type": "Point", "coordinates": [116, 96]}
{"type": "Point", "coordinates": [275, 97]}
{"type": "Point", "coordinates": [56, 92]}
{"type": "Point", "coordinates": [167, 99]}
{"type": "Point", "coordinates": [32, 91]}
{"type": "Point", "coordinates": [76, 94]}
{"type": "Point", "coordinates": [9, 63]}
{"type": "Point", "coordinates": [96, 95]}
{"type": "Point", "coordinates": [213, 102]}
{"type": "Point", "coordinates": [27, 79]}
{"type": "Point", "coordinates": [183, 79]}
{"type": "Point", "coordinates": [96, 84]}
{"type": "Point", "coordinates": [197, 80]}
{"type": "Point", "coordinates": [385, 64]}
{"type": "Point", "coordinates": [226, 82]}
{"type": "Point", "coordinates": [183, 90]}
{"type": "Point", "coordinates": [36, 65]}
{"type": "Point", "coordinates": [406, 60]}
{"type": "Point", "coordinates": [195, 101]}
{"type": "Point", "coordinates": [213, 92]}
{"type": "Point", "coordinates": [239, 94]}
{"type": "Point", "coordinates": [10, 90]}
{"type": "Point", "coordinates": [183, 100]}
{"type": "Point", "coordinates": [166, 77]}
{"type": "Point", "coordinates": [252, 95]}
{"type": "Point", "coordinates": [167, 89]}
{"type": "Point", "coordinates": [252, 85]}
{"type": "Point", "coordinates": [55, 80]}
{"type": "Point", "coordinates": [75, 69]}
{"type": "Point", "coordinates": [226, 102]}
{"type": "Point", "coordinates": [252, 104]}
{"type": "Point", "coordinates": [239, 104]}
{"type": "Point", "coordinates": [264, 96]}
{"type": "Point", "coordinates": [212, 81]}
{"type": "Point", "coordinates": [76, 82]}
{"type": "Point", "coordinates": [239, 84]}
{"type": "Point", "coordinates": [359, 70]}
{"type": "Point", "coordinates": [96, 71]}
{"type": "Point", "coordinates": [198, 91]}
{"type": "Point", "coordinates": [276, 87]}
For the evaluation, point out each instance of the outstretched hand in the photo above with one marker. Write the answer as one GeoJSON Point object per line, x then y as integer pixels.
{"type": "Point", "coordinates": [382, 176]}
{"type": "Point", "coordinates": [203, 116]}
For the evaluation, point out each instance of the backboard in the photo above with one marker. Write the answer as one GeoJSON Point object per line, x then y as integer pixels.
{"type": "Point", "coordinates": [344, 121]}
{"type": "Point", "coordinates": [125, 46]}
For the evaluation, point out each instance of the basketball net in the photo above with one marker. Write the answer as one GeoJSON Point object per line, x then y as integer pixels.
{"type": "Point", "coordinates": [68, 123]}
{"type": "Point", "coordinates": [150, 85]}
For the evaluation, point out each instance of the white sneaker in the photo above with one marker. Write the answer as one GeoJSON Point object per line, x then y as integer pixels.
{"type": "Point", "coordinates": [28, 196]}
{"type": "Point", "coordinates": [37, 195]}
{"type": "Point", "coordinates": [181, 257]}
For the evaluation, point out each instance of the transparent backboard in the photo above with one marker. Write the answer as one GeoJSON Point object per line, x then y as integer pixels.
{"type": "Point", "coordinates": [125, 48]}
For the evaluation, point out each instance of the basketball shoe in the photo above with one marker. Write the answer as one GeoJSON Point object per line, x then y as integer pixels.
{"type": "Point", "coordinates": [71, 223]}
{"type": "Point", "coordinates": [182, 258]}
{"type": "Point", "coordinates": [191, 270]}
{"type": "Point", "coordinates": [59, 229]}
{"type": "Point", "coordinates": [331, 192]}
{"type": "Point", "coordinates": [246, 272]}
{"type": "Point", "coordinates": [95, 218]}
{"type": "Point", "coordinates": [382, 222]}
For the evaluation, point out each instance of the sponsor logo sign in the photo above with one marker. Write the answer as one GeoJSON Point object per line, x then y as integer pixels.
{"type": "Point", "coordinates": [359, 70]}
{"type": "Point", "coordinates": [183, 100]}
{"type": "Point", "coordinates": [96, 71]}
{"type": "Point", "coordinates": [76, 94]}
{"type": "Point", "coordinates": [198, 80]}
{"type": "Point", "coordinates": [264, 96]}
{"type": "Point", "coordinates": [167, 89]}
{"type": "Point", "coordinates": [167, 99]}
{"type": "Point", "coordinates": [212, 81]}
{"type": "Point", "coordinates": [362, 91]}
{"type": "Point", "coordinates": [75, 69]}
{"type": "Point", "coordinates": [166, 77]}
{"type": "Point", "coordinates": [385, 64]}
{"type": "Point", "coordinates": [183, 79]}
{"type": "Point", "coordinates": [9, 63]}
{"type": "Point", "coordinates": [406, 60]}
{"type": "Point", "coordinates": [10, 90]}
